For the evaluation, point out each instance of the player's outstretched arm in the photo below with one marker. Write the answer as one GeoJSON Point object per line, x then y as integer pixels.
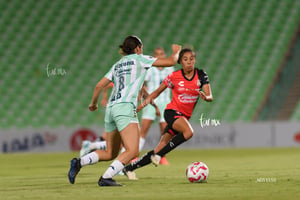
{"type": "Point", "coordinates": [152, 96]}
{"type": "Point", "coordinates": [206, 95]}
{"type": "Point", "coordinates": [103, 101]}
{"type": "Point", "coordinates": [171, 60]}
{"type": "Point", "coordinates": [144, 93]}
{"type": "Point", "coordinates": [99, 87]}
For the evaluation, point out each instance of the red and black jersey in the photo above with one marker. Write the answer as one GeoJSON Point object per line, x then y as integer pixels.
{"type": "Point", "coordinates": [185, 91]}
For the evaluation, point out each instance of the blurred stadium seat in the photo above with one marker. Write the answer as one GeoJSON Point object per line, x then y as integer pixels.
{"type": "Point", "coordinates": [239, 43]}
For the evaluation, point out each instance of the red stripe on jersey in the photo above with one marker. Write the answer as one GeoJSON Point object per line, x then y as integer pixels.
{"type": "Point", "coordinates": [184, 91]}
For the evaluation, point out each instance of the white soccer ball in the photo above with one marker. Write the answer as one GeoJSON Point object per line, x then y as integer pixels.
{"type": "Point", "coordinates": [197, 172]}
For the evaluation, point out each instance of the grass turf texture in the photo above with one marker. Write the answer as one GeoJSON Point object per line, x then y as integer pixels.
{"type": "Point", "coordinates": [234, 174]}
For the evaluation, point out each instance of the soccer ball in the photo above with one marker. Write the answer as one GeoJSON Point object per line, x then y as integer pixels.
{"type": "Point", "coordinates": [197, 172]}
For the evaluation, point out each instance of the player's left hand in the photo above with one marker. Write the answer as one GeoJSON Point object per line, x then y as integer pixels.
{"type": "Point", "coordinates": [140, 107]}
{"type": "Point", "coordinates": [93, 107]}
{"type": "Point", "coordinates": [103, 103]}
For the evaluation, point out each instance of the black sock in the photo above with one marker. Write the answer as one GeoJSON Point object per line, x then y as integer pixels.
{"type": "Point", "coordinates": [144, 160]}
{"type": "Point", "coordinates": [174, 142]}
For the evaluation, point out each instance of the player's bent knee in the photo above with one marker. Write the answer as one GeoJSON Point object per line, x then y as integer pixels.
{"type": "Point", "coordinates": [188, 134]}
{"type": "Point", "coordinates": [134, 153]}
{"type": "Point", "coordinates": [112, 155]}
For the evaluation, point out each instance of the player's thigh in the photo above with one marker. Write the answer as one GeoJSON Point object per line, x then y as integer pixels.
{"type": "Point", "coordinates": [182, 125]}
{"type": "Point", "coordinates": [104, 135]}
{"type": "Point", "coordinates": [146, 123]}
{"type": "Point", "coordinates": [109, 122]}
{"type": "Point", "coordinates": [130, 137]}
{"type": "Point", "coordinates": [113, 142]}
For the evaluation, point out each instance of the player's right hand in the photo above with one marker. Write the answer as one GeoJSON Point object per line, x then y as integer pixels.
{"type": "Point", "coordinates": [176, 48]}
{"type": "Point", "coordinates": [93, 107]}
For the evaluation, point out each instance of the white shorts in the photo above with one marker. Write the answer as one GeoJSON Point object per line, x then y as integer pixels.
{"type": "Point", "coordinates": [149, 111]}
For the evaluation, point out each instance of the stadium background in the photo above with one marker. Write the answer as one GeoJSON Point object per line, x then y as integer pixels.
{"type": "Point", "coordinates": [53, 53]}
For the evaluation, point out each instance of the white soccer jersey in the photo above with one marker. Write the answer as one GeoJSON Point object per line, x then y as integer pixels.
{"type": "Point", "coordinates": [154, 78]}
{"type": "Point", "coordinates": [128, 75]}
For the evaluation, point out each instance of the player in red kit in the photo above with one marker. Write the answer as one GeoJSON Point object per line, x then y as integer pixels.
{"type": "Point", "coordinates": [187, 84]}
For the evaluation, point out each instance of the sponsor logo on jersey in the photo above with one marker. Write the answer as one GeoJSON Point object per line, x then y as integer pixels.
{"type": "Point", "coordinates": [122, 64]}
{"type": "Point", "coordinates": [185, 98]}
{"type": "Point", "coordinates": [181, 83]}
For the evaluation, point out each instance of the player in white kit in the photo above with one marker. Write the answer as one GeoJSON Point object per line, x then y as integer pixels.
{"type": "Point", "coordinates": [153, 79]}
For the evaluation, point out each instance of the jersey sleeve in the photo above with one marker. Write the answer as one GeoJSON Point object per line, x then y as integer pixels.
{"type": "Point", "coordinates": [203, 77]}
{"type": "Point", "coordinates": [147, 61]}
{"type": "Point", "coordinates": [109, 75]}
{"type": "Point", "coordinates": [148, 75]}
{"type": "Point", "coordinates": [168, 81]}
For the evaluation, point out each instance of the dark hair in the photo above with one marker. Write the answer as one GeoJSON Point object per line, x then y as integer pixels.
{"type": "Point", "coordinates": [130, 43]}
{"type": "Point", "coordinates": [182, 52]}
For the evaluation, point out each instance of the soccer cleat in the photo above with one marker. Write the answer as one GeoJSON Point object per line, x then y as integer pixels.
{"type": "Point", "coordinates": [130, 174]}
{"type": "Point", "coordinates": [155, 159]}
{"type": "Point", "coordinates": [85, 148]}
{"type": "Point", "coordinates": [164, 161]}
{"type": "Point", "coordinates": [107, 182]}
{"type": "Point", "coordinates": [74, 169]}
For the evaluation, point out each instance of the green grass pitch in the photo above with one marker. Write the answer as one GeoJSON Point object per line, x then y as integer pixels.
{"type": "Point", "coordinates": [268, 173]}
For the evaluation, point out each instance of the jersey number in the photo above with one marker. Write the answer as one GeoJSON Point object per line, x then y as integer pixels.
{"type": "Point", "coordinates": [121, 87]}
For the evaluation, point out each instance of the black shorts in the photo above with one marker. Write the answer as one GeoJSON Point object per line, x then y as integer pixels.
{"type": "Point", "coordinates": [170, 117]}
